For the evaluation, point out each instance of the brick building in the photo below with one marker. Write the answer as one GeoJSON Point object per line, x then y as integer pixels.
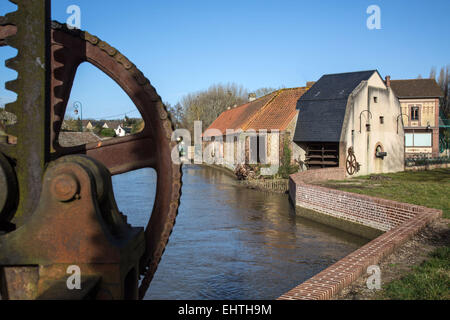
{"type": "Point", "coordinates": [419, 99]}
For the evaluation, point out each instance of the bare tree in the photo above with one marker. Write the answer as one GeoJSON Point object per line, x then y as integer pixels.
{"type": "Point", "coordinates": [443, 81]}
{"type": "Point", "coordinates": [177, 114]}
{"type": "Point", "coordinates": [264, 91]}
{"type": "Point", "coordinates": [208, 104]}
{"type": "Point", "coordinates": [433, 73]}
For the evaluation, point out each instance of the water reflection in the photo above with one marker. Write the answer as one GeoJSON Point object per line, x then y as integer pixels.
{"type": "Point", "coordinates": [231, 242]}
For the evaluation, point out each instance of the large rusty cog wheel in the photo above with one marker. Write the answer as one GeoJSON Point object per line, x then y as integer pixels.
{"type": "Point", "coordinates": [351, 163]}
{"type": "Point", "coordinates": [151, 148]}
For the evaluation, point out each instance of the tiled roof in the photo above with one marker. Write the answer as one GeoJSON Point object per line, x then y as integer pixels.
{"type": "Point", "coordinates": [236, 118]}
{"type": "Point", "coordinates": [72, 139]}
{"type": "Point", "coordinates": [416, 88]}
{"type": "Point", "coordinates": [272, 112]}
{"type": "Point", "coordinates": [322, 108]}
{"type": "Point", "coordinates": [278, 113]}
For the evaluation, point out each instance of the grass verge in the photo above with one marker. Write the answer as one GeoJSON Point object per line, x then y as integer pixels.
{"type": "Point", "coordinates": [428, 281]}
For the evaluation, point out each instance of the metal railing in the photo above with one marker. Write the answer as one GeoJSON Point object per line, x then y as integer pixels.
{"type": "Point", "coordinates": [423, 160]}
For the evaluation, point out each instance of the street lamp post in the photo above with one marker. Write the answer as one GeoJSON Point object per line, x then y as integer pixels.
{"type": "Point", "coordinates": [77, 105]}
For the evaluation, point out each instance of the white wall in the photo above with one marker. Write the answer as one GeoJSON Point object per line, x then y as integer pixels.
{"type": "Point", "coordinates": [364, 143]}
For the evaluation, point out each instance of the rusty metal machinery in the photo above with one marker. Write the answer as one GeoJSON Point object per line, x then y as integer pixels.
{"type": "Point", "coordinates": [57, 207]}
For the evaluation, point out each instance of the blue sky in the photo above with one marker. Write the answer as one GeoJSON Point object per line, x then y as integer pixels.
{"type": "Point", "coordinates": [186, 46]}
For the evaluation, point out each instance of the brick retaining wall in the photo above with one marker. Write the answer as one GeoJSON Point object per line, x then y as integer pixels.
{"type": "Point", "coordinates": [373, 212]}
{"type": "Point", "coordinates": [400, 220]}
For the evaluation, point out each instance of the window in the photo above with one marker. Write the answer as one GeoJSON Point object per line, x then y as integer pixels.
{"type": "Point", "coordinates": [418, 140]}
{"type": "Point", "coordinates": [381, 119]}
{"type": "Point", "coordinates": [375, 99]}
{"type": "Point", "coordinates": [409, 140]}
{"type": "Point", "coordinates": [414, 113]}
{"type": "Point", "coordinates": [422, 139]}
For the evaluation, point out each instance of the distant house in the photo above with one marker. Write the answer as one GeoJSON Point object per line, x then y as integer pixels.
{"type": "Point", "coordinates": [122, 131]}
{"type": "Point", "coordinates": [89, 125]}
{"type": "Point", "coordinates": [419, 99]}
{"type": "Point", "coordinates": [274, 114]}
{"type": "Point", "coordinates": [349, 120]}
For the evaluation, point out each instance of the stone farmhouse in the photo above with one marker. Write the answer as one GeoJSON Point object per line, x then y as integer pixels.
{"type": "Point", "coordinates": [266, 122]}
{"type": "Point", "coordinates": [351, 120]}
{"type": "Point", "coordinates": [419, 99]}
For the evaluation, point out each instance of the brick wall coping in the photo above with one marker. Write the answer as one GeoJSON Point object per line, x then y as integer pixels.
{"type": "Point", "coordinates": [319, 175]}
{"type": "Point", "coordinates": [332, 280]}
{"type": "Point", "coordinates": [381, 201]}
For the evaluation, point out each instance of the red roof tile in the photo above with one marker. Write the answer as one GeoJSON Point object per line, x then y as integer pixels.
{"type": "Point", "coordinates": [272, 112]}
{"type": "Point", "coordinates": [279, 112]}
{"type": "Point", "coordinates": [236, 118]}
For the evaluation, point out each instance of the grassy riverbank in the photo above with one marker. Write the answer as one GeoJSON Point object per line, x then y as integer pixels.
{"type": "Point", "coordinates": [413, 280]}
{"type": "Point", "coordinates": [426, 188]}
{"type": "Point", "coordinates": [428, 281]}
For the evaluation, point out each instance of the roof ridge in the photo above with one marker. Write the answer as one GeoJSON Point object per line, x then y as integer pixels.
{"type": "Point", "coordinates": [332, 74]}
{"type": "Point", "coordinates": [278, 92]}
{"type": "Point", "coordinates": [257, 113]}
{"type": "Point", "coordinates": [413, 79]}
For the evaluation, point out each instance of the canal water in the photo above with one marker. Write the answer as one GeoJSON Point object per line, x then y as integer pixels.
{"type": "Point", "coordinates": [231, 242]}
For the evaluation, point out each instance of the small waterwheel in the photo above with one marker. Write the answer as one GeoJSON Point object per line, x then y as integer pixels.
{"type": "Point", "coordinates": [351, 164]}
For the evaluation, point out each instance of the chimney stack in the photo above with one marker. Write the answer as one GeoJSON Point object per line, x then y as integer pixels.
{"type": "Point", "coordinates": [388, 81]}
{"type": "Point", "coordinates": [309, 84]}
{"type": "Point", "coordinates": [251, 97]}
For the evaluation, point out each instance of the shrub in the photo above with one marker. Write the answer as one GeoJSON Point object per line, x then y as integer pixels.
{"type": "Point", "coordinates": [107, 132]}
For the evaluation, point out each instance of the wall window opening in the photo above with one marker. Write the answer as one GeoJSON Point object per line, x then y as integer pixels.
{"type": "Point", "coordinates": [415, 113]}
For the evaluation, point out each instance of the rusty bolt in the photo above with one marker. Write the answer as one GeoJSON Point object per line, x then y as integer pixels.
{"type": "Point", "coordinates": [65, 187]}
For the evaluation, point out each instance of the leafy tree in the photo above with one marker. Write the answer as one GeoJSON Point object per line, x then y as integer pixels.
{"type": "Point", "coordinates": [286, 168]}
{"type": "Point", "coordinates": [129, 122]}
{"type": "Point", "coordinates": [79, 125]}
{"type": "Point", "coordinates": [107, 132]}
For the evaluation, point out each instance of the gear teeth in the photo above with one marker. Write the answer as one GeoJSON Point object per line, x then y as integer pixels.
{"type": "Point", "coordinates": [13, 64]}
{"type": "Point", "coordinates": [12, 86]}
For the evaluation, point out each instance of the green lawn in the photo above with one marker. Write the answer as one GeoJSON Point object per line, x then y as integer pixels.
{"type": "Point", "coordinates": [426, 188]}
{"type": "Point", "coordinates": [429, 281]}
